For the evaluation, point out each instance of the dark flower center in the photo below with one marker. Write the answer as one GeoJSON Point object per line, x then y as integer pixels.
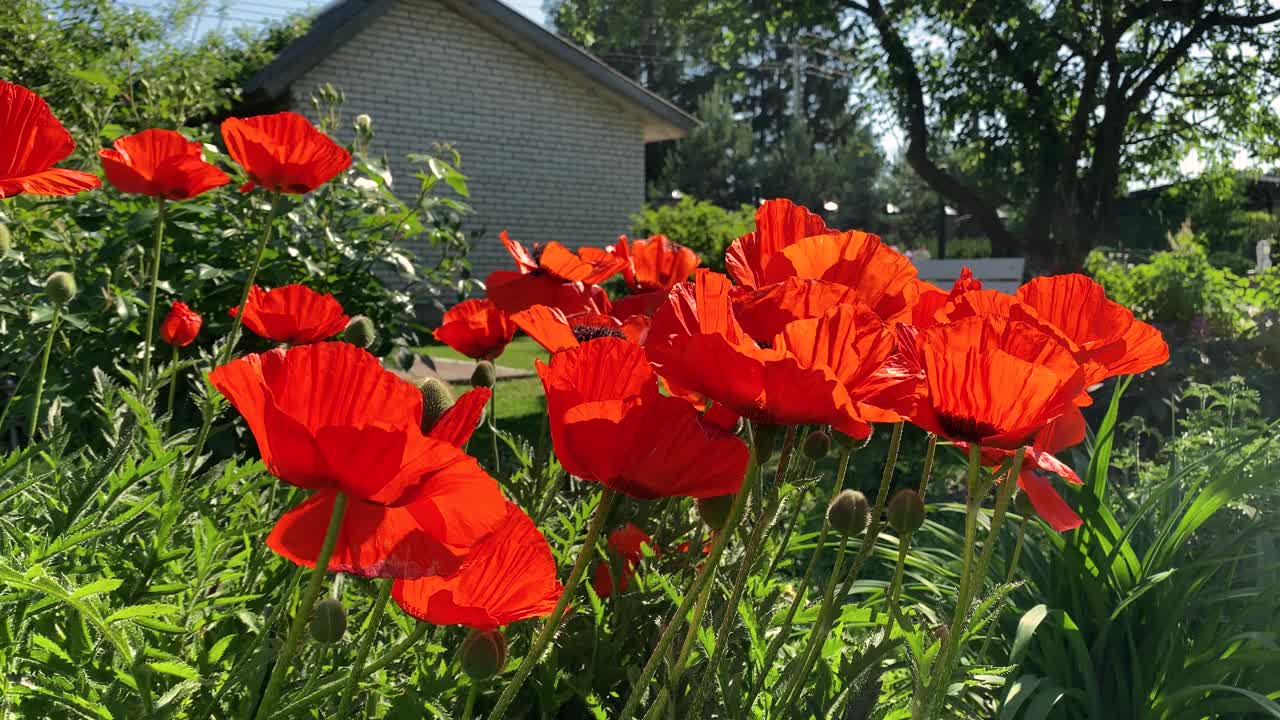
{"type": "Point", "coordinates": [583, 333]}
{"type": "Point", "coordinates": [966, 428]}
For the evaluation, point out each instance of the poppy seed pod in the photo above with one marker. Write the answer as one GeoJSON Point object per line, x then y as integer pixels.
{"type": "Point", "coordinates": [816, 445]}
{"type": "Point", "coordinates": [714, 511]}
{"type": "Point", "coordinates": [906, 511]}
{"type": "Point", "coordinates": [437, 398]}
{"type": "Point", "coordinates": [483, 654]}
{"type": "Point", "coordinates": [1022, 505]}
{"type": "Point", "coordinates": [60, 287]}
{"type": "Point", "coordinates": [360, 332]}
{"type": "Point", "coordinates": [328, 621]}
{"type": "Point", "coordinates": [765, 439]}
{"type": "Point", "coordinates": [848, 513]}
{"type": "Point", "coordinates": [485, 374]}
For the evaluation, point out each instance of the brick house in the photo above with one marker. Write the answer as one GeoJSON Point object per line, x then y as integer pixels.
{"type": "Point", "coordinates": [552, 139]}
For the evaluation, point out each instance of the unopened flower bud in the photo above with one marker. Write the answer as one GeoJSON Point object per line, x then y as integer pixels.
{"type": "Point", "coordinates": [906, 511]}
{"type": "Point", "coordinates": [6, 240]}
{"type": "Point", "coordinates": [816, 445]}
{"type": "Point", "coordinates": [363, 123]}
{"type": "Point", "coordinates": [483, 654]}
{"type": "Point", "coordinates": [485, 375]}
{"type": "Point", "coordinates": [765, 436]}
{"type": "Point", "coordinates": [360, 332]}
{"type": "Point", "coordinates": [60, 287]}
{"type": "Point", "coordinates": [328, 621]}
{"type": "Point", "coordinates": [437, 398]}
{"type": "Point", "coordinates": [714, 511]}
{"type": "Point", "coordinates": [847, 513]}
{"type": "Point", "coordinates": [1022, 505]}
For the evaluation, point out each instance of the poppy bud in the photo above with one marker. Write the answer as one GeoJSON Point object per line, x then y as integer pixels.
{"type": "Point", "coordinates": [329, 621]}
{"type": "Point", "coordinates": [60, 287]}
{"type": "Point", "coordinates": [906, 511]}
{"type": "Point", "coordinates": [360, 332]}
{"type": "Point", "coordinates": [765, 435]}
{"type": "Point", "coordinates": [1022, 505]}
{"type": "Point", "coordinates": [714, 511]}
{"type": "Point", "coordinates": [484, 653]}
{"type": "Point", "coordinates": [437, 398]}
{"type": "Point", "coordinates": [6, 240]}
{"type": "Point", "coordinates": [363, 123]}
{"type": "Point", "coordinates": [485, 375]}
{"type": "Point", "coordinates": [816, 445]}
{"type": "Point", "coordinates": [848, 513]}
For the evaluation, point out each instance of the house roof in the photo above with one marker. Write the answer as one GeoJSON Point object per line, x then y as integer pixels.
{"type": "Point", "coordinates": [343, 19]}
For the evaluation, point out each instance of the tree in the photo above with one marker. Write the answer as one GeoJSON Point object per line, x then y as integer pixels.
{"type": "Point", "coordinates": [714, 162]}
{"type": "Point", "coordinates": [1051, 108]}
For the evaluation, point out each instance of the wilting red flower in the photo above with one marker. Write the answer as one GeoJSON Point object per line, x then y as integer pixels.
{"type": "Point", "coordinates": [1113, 342]}
{"type": "Point", "coordinates": [509, 576]}
{"type": "Point", "coordinates": [31, 141]}
{"type": "Point", "coordinates": [656, 263]}
{"type": "Point", "coordinates": [609, 424]}
{"type": "Point", "coordinates": [160, 163]}
{"type": "Point", "coordinates": [476, 328]}
{"type": "Point", "coordinates": [181, 325]}
{"type": "Point", "coordinates": [779, 223]}
{"type": "Point", "coordinates": [628, 542]}
{"type": "Point", "coordinates": [556, 277]}
{"type": "Point", "coordinates": [553, 330]}
{"type": "Point", "coordinates": [328, 417]}
{"type": "Point", "coordinates": [283, 152]}
{"type": "Point", "coordinates": [293, 314]}
{"type": "Point", "coordinates": [993, 381]}
{"type": "Point", "coordinates": [698, 346]}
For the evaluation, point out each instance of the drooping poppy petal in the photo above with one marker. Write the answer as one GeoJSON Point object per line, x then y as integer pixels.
{"type": "Point", "coordinates": [476, 328]}
{"type": "Point", "coordinates": [283, 152]}
{"type": "Point", "coordinates": [460, 421]}
{"type": "Point", "coordinates": [160, 163]}
{"type": "Point", "coordinates": [656, 263]}
{"type": "Point", "coordinates": [883, 278]}
{"type": "Point", "coordinates": [31, 141]}
{"type": "Point", "coordinates": [293, 314]}
{"type": "Point", "coordinates": [1047, 502]}
{"type": "Point", "coordinates": [609, 424]}
{"type": "Point", "coordinates": [180, 327]}
{"type": "Point", "coordinates": [779, 223]}
{"type": "Point", "coordinates": [509, 576]}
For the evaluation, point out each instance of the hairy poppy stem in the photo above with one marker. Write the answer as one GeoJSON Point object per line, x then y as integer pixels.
{"type": "Point", "coordinates": [493, 424]}
{"type": "Point", "coordinates": [366, 642]}
{"type": "Point", "coordinates": [472, 694]}
{"type": "Point", "coordinates": [156, 249]}
{"type": "Point", "coordinates": [927, 470]}
{"type": "Point", "coordinates": [44, 371]}
{"type": "Point", "coordinates": [303, 612]}
{"type": "Point", "coordinates": [607, 498]}
{"type": "Point", "coordinates": [895, 588]}
{"type": "Point", "coordinates": [1008, 577]}
{"type": "Point", "coordinates": [173, 391]}
{"type": "Point", "coordinates": [686, 649]}
{"type": "Point", "coordinates": [690, 596]}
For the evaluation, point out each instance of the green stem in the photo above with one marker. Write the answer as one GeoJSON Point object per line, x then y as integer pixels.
{"type": "Point", "coordinates": [1008, 577]}
{"type": "Point", "coordinates": [686, 649]}
{"type": "Point", "coordinates": [44, 371]}
{"type": "Point", "coordinates": [895, 588]}
{"type": "Point", "coordinates": [156, 249]}
{"type": "Point", "coordinates": [173, 391]}
{"type": "Point", "coordinates": [927, 470]}
{"type": "Point", "coordinates": [141, 676]}
{"type": "Point", "coordinates": [303, 612]}
{"type": "Point", "coordinates": [699, 582]}
{"type": "Point", "coordinates": [553, 621]}
{"type": "Point", "coordinates": [366, 642]}
{"type": "Point", "coordinates": [812, 648]}
{"type": "Point", "coordinates": [472, 694]}
{"type": "Point", "coordinates": [493, 423]}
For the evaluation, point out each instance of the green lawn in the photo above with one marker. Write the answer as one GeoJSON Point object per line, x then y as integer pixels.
{"type": "Point", "coordinates": [520, 403]}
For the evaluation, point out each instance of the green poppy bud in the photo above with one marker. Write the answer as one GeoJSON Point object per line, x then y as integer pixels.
{"type": "Point", "coordinates": [485, 375]}
{"type": "Point", "coordinates": [328, 621]}
{"type": "Point", "coordinates": [6, 240]}
{"type": "Point", "coordinates": [714, 511]}
{"type": "Point", "coordinates": [906, 511]}
{"type": "Point", "coordinates": [360, 332]}
{"type": "Point", "coordinates": [816, 445]}
{"type": "Point", "coordinates": [484, 653]}
{"type": "Point", "coordinates": [847, 513]}
{"type": "Point", "coordinates": [765, 437]}
{"type": "Point", "coordinates": [1022, 505]}
{"type": "Point", "coordinates": [437, 398]}
{"type": "Point", "coordinates": [60, 287]}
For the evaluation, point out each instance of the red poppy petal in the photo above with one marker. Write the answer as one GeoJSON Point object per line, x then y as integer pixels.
{"type": "Point", "coordinates": [765, 312]}
{"type": "Point", "coordinates": [1047, 502]}
{"type": "Point", "coordinates": [31, 138]}
{"type": "Point", "coordinates": [458, 423]}
{"type": "Point", "coordinates": [459, 504]}
{"type": "Point", "coordinates": [524, 261]}
{"type": "Point", "coordinates": [476, 328]}
{"type": "Point", "coordinates": [56, 181]}
{"type": "Point", "coordinates": [547, 326]}
{"type": "Point", "coordinates": [779, 223]}
{"type": "Point", "coordinates": [1049, 463]}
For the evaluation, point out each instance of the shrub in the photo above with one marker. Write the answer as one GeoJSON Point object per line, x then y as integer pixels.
{"type": "Point", "coordinates": [705, 228]}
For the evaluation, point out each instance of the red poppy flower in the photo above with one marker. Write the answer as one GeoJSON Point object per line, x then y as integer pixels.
{"type": "Point", "coordinates": [765, 312]}
{"type": "Point", "coordinates": [628, 542]}
{"type": "Point", "coordinates": [993, 381]}
{"type": "Point", "coordinates": [779, 224]}
{"type": "Point", "coordinates": [924, 312]}
{"type": "Point", "coordinates": [555, 277]}
{"type": "Point", "coordinates": [31, 141]}
{"type": "Point", "coordinates": [293, 314]}
{"type": "Point", "coordinates": [881, 276]}
{"type": "Point", "coordinates": [181, 325]}
{"type": "Point", "coordinates": [553, 330]}
{"type": "Point", "coordinates": [283, 152]}
{"type": "Point", "coordinates": [656, 263]}
{"type": "Point", "coordinates": [697, 345]}
{"type": "Point", "coordinates": [160, 163]}
{"type": "Point", "coordinates": [1107, 333]}
{"type": "Point", "coordinates": [609, 424]}
{"type": "Point", "coordinates": [476, 328]}
{"type": "Point", "coordinates": [328, 417]}
{"type": "Point", "coordinates": [509, 576]}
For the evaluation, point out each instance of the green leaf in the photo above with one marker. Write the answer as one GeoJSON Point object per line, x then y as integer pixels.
{"type": "Point", "coordinates": [1026, 630]}
{"type": "Point", "coordinates": [176, 669]}
{"type": "Point", "coordinates": [49, 646]}
{"type": "Point", "coordinates": [149, 610]}
{"type": "Point", "coordinates": [97, 587]}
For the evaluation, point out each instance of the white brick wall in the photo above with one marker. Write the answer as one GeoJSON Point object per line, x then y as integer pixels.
{"type": "Point", "coordinates": [548, 156]}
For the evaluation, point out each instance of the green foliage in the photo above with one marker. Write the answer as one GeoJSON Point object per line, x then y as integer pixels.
{"type": "Point", "coordinates": [714, 161]}
{"type": "Point", "coordinates": [697, 224]}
